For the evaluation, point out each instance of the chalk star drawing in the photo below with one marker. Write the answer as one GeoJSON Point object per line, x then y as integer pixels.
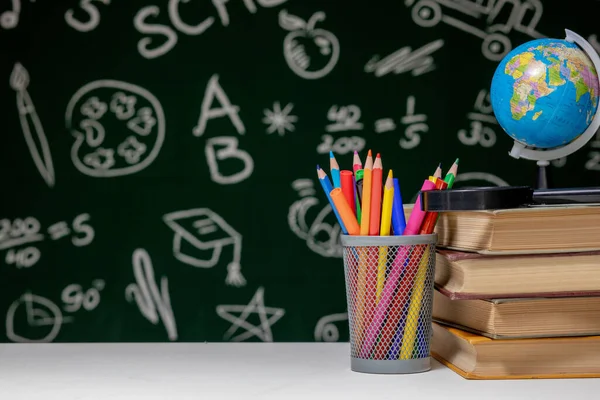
{"type": "Point", "coordinates": [279, 120]}
{"type": "Point", "coordinates": [256, 305]}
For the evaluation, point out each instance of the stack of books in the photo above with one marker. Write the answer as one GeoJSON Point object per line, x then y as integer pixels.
{"type": "Point", "coordinates": [518, 293]}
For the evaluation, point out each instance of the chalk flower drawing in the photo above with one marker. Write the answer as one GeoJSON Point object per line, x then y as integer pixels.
{"type": "Point", "coordinates": [267, 315]}
{"type": "Point", "coordinates": [104, 112]}
{"type": "Point", "coordinates": [279, 120]}
{"type": "Point", "coordinates": [310, 53]}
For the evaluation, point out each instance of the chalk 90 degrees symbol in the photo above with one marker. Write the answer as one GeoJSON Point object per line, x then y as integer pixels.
{"type": "Point", "coordinates": [326, 331]}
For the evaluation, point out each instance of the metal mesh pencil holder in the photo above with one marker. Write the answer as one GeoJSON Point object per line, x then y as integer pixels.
{"type": "Point", "coordinates": [389, 290]}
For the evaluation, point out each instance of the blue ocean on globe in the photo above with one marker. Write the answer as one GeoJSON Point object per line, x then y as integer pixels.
{"type": "Point", "coordinates": [544, 93]}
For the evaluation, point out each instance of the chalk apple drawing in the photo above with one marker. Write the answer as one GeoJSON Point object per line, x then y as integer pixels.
{"type": "Point", "coordinates": [311, 53]}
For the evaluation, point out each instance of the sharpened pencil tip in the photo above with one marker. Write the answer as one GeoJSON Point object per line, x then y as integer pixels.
{"type": "Point", "coordinates": [355, 152]}
{"type": "Point", "coordinates": [440, 165]}
{"type": "Point", "coordinates": [331, 154]}
{"type": "Point", "coordinates": [378, 155]}
{"type": "Point", "coordinates": [456, 162]}
{"type": "Point", "coordinates": [318, 167]}
{"type": "Point", "coordinates": [390, 175]}
{"type": "Point", "coordinates": [369, 154]}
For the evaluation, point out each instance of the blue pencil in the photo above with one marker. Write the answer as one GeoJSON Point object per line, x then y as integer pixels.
{"type": "Point", "coordinates": [335, 171]}
{"type": "Point", "coordinates": [398, 218]}
{"type": "Point", "coordinates": [327, 188]}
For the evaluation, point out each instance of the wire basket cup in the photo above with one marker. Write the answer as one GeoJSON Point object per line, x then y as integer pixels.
{"type": "Point", "coordinates": [389, 290]}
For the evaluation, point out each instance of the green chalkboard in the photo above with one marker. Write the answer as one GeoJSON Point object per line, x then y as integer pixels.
{"type": "Point", "coordinates": [158, 158]}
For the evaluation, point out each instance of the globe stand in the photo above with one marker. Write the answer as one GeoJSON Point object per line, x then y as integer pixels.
{"type": "Point", "coordinates": [543, 179]}
{"type": "Point", "coordinates": [544, 156]}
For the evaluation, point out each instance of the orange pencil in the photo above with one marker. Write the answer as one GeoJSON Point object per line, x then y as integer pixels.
{"type": "Point", "coordinates": [346, 213]}
{"type": "Point", "coordinates": [366, 196]}
{"type": "Point", "coordinates": [376, 188]}
{"type": "Point", "coordinates": [430, 219]}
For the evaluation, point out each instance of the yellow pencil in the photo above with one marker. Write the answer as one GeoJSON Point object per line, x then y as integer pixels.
{"type": "Point", "coordinates": [384, 230]}
{"type": "Point", "coordinates": [366, 195]}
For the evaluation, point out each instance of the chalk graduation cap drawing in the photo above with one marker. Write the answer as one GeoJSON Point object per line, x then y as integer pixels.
{"type": "Point", "coordinates": [200, 235]}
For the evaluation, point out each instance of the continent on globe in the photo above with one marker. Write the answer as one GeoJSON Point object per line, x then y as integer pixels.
{"type": "Point", "coordinates": [545, 93]}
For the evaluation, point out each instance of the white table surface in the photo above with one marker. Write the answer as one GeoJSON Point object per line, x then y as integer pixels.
{"type": "Point", "coordinates": [240, 371]}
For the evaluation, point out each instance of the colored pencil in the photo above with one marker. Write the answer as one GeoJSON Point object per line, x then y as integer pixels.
{"type": "Point", "coordinates": [398, 217]}
{"type": "Point", "coordinates": [366, 196]}
{"type": "Point", "coordinates": [345, 211]}
{"type": "Point", "coordinates": [376, 189]}
{"type": "Point", "coordinates": [451, 174]}
{"type": "Point", "coordinates": [438, 171]}
{"type": "Point", "coordinates": [348, 188]}
{"type": "Point", "coordinates": [335, 170]}
{"type": "Point", "coordinates": [327, 188]}
{"type": "Point", "coordinates": [413, 226]}
{"type": "Point", "coordinates": [430, 219]}
{"type": "Point", "coordinates": [356, 163]}
{"type": "Point", "coordinates": [386, 220]}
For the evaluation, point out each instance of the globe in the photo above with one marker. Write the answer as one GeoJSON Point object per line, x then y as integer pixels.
{"type": "Point", "coordinates": [544, 93]}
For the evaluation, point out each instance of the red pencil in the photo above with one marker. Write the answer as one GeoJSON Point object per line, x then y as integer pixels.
{"type": "Point", "coordinates": [376, 188]}
{"type": "Point", "coordinates": [347, 179]}
{"type": "Point", "coordinates": [357, 164]}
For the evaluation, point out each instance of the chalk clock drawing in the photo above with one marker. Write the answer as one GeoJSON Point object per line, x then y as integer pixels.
{"type": "Point", "coordinates": [32, 128]}
{"type": "Point", "coordinates": [119, 128]}
{"type": "Point", "coordinates": [238, 316]}
{"type": "Point", "coordinates": [309, 52]}
{"type": "Point", "coordinates": [153, 302]}
{"type": "Point", "coordinates": [199, 239]}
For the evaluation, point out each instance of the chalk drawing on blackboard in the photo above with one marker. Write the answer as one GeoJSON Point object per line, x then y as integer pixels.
{"type": "Point", "coordinates": [593, 39]}
{"type": "Point", "coordinates": [326, 331]}
{"type": "Point", "coordinates": [143, 45]}
{"type": "Point", "coordinates": [214, 91]}
{"type": "Point", "coordinates": [153, 303]}
{"type": "Point", "coordinates": [131, 150]}
{"type": "Point", "coordinates": [310, 53]}
{"type": "Point", "coordinates": [220, 150]}
{"type": "Point", "coordinates": [345, 118]}
{"type": "Point", "coordinates": [32, 128]}
{"type": "Point", "coordinates": [200, 236]}
{"type": "Point", "coordinates": [238, 315]}
{"type": "Point", "coordinates": [75, 297]}
{"type": "Point", "coordinates": [340, 145]}
{"type": "Point", "coordinates": [9, 19]}
{"type": "Point", "coordinates": [384, 125]}
{"type": "Point", "coordinates": [103, 112]}
{"type": "Point", "coordinates": [415, 125]}
{"type": "Point", "coordinates": [481, 176]}
{"type": "Point", "coordinates": [321, 237]}
{"type": "Point", "coordinates": [480, 120]}
{"type": "Point", "coordinates": [279, 119]}
{"type": "Point", "coordinates": [43, 319]}
{"type": "Point", "coordinates": [418, 62]}
{"type": "Point", "coordinates": [93, 16]}
{"type": "Point", "coordinates": [524, 17]}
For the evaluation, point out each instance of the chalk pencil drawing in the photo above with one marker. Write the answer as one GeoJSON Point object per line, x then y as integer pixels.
{"type": "Point", "coordinates": [345, 118]}
{"type": "Point", "coordinates": [279, 119]}
{"type": "Point", "coordinates": [43, 318]}
{"type": "Point", "coordinates": [238, 316]}
{"type": "Point", "coordinates": [480, 120]}
{"type": "Point", "coordinates": [214, 91]}
{"type": "Point", "coordinates": [523, 17]}
{"type": "Point", "coordinates": [200, 236]}
{"type": "Point", "coordinates": [32, 128]}
{"type": "Point", "coordinates": [103, 112]}
{"type": "Point", "coordinates": [225, 148]}
{"type": "Point", "coordinates": [93, 16]}
{"type": "Point", "coordinates": [153, 303]}
{"type": "Point", "coordinates": [340, 145]}
{"type": "Point", "coordinates": [321, 237]}
{"type": "Point", "coordinates": [74, 297]}
{"type": "Point", "coordinates": [326, 330]}
{"type": "Point", "coordinates": [415, 125]}
{"type": "Point", "coordinates": [417, 62]}
{"type": "Point", "coordinates": [310, 53]}
{"type": "Point", "coordinates": [9, 19]}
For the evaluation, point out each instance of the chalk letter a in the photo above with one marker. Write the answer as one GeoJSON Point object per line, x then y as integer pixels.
{"type": "Point", "coordinates": [214, 90]}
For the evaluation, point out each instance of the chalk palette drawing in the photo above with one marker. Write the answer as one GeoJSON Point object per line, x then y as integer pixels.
{"type": "Point", "coordinates": [340, 145]}
{"type": "Point", "coordinates": [200, 236]}
{"type": "Point", "coordinates": [480, 120]}
{"type": "Point", "coordinates": [93, 16]}
{"type": "Point", "coordinates": [153, 302]}
{"type": "Point", "coordinates": [9, 19]}
{"type": "Point", "coordinates": [119, 128]}
{"type": "Point", "coordinates": [21, 236]}
{"type": "Point", "coordinates": [75, 298]}
{"type": "Point", "coordinates": [42, 317]}
{"type": "Point", "coordinates": [326, 330]}
{"type": "Point", "coordinates": [481, 18]}
{"type": "Point", "coordinates": [279, 120]}
{"type": "Point", "coordinates": [480, 176]}
{"type": "Point", "coordinates": [310, 53]}
{"type": "Point", "coordinates": [214, 91]}
{"type": "Point", "coordinates": [32, 128]}
{"type": "Point", "coordinates": [415, 125]}
{"type": "Point", "coordinates": [218, 150]}
{"type": "Point", "coordinates": [344, 118]}
{"type": "Point", "coordinates": [321, 237]}
{"type": "Point", "coordinates": [238, 315]}
{"type": "Point", "coordinates": [417, 62]}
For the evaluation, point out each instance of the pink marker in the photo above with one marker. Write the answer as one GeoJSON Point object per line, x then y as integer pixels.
{"type": "Point", "coordinates": [413, 225]}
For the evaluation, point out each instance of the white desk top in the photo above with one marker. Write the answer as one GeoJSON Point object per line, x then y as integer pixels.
{"type": "Point", "coordinates": [240, 371]}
